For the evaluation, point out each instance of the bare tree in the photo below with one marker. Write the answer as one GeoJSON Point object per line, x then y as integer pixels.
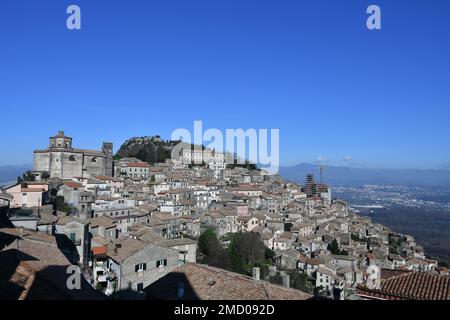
{"type": "Point", "coordinates": [251, 248]}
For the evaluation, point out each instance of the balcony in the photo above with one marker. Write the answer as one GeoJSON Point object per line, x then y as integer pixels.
{"type": "Point", "coordinates": [102, 278]}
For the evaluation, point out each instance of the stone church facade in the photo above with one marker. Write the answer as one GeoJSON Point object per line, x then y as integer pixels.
{"type": "Point", "coordinates": [63, 161]}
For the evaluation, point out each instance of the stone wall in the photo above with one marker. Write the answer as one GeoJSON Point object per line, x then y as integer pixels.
{"type": "Point", "coordinates": [149, 255]}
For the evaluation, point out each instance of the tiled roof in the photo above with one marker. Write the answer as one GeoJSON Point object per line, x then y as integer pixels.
{"type": "Point", "coordinates": [208, 283]}
{"type": "Point", "coordinates": [410, 286]}
{"type": "Point", "coordinates": [137, 164]}
{"type": "Point", "coordinates": [97, 251]}
{"type": "Point", "coordinates": [35, 268]}
{"type": "Point", "coordinates": [30, 235]}
{"type": "Point", "coordinates": [245, 218]}
{"type": "Point", "coordinates": [123, 248]}
{"type": "Point", "coordinates": [310, 261]}
{"type": "Point", "coordinates": [107, 178]}
{"type": "Point", "coordinates": [32, 190]}
{"type": "Point", "coordinates": [73, 184]}
{"type": "Point", "coordinates": [103, 221]}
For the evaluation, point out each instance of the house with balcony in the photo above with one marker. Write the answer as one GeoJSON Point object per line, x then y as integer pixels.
{"type": "Point", "coordinates": [131, 264]}
{"type": "Point", "coordinates": [74, 233]}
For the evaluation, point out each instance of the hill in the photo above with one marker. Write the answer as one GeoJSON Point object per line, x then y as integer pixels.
{"type": "Point", "coordinates": [148, 149]}
{"type": "Point", "coordinates": [10, 173]}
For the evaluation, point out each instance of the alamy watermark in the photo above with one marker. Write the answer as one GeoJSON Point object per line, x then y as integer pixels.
{"type": "Point", "coordinates": [73, 21]}
{"type": "Point", "coordinates": [236, 146]}
{"type": "Point", "coordinates": [374, 20]}
{"type": "Point", "coordinates": [74, 279]}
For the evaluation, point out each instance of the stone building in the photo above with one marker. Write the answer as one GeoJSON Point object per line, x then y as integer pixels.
{"type": "Point", "coordinates": [63, 161]}
{"type": "Point", "coordinates": [132, 264]}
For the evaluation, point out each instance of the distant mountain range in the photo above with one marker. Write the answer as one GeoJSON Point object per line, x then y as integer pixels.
{"type": "Point", "coordinates": [154, 151]}
{"type": "Point", "coordinates": [445, 166]}
{"type": "Point", "coordinates": [337, 175]}
{"type": "Point", "coordinates": [9, 174]}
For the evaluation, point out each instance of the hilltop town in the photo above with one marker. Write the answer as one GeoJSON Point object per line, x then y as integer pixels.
{"type": "Point", "coordinates": [232, 231]}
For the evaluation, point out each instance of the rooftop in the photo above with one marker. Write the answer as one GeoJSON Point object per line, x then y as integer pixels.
{"type": "Point", "coordinates": [409, 286]}
{"type": "Point", "coordinates": [203, 282]}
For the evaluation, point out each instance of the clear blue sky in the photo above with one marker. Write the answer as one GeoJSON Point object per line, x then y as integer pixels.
{"type": "Point", "coordinates": [310, 68]}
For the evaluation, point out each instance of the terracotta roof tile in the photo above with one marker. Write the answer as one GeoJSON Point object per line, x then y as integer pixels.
{"type": "Point", "coordinates": [411, 286]}
{"type": "Point", "coordinates": [208, 283]}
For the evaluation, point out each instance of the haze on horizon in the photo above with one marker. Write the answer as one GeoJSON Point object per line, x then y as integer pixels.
{"type": "Point", "coordinates": [339, 93]}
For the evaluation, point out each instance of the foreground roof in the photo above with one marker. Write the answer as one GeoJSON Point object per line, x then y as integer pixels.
{"type": "Point", "coordinates": [409, 286]}
{"type": "Point", "coordinates": [32, 266]}
{"type": "Point", "coordinates": [203, 282]}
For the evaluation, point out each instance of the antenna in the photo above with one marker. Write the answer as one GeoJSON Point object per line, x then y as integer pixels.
{"type": "Point", "coordinates": [321, 174]}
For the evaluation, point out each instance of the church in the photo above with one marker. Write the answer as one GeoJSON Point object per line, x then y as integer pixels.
{"type": "Point", "coordinates": [61, 160]}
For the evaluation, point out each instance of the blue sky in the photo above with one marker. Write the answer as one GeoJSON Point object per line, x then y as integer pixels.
{"type": "Point", "coordinates": [310, 68]}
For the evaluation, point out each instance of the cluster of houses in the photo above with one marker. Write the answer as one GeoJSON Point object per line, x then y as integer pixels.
{"type": "Point", "coordinates": [129, 230]}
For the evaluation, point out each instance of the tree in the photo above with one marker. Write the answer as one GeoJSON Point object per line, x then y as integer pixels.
{"type": "Point", "coordinates": [28, 176]}
{"type": "Point", "coordinates": [251, 248]}
{"type": "Point", "coordinates": [217, 256]}
{"type": "Point", "coordinates": [211, 249]}
{"type": "Point", "coordinates": [45, 176]}
{"type": "Point", "coordinates": [443, 264]}
{"type": "Point", "coordinates": [277, 278]}
{"type": "Point", "coordinates": [59, 204]}
{"type": "Point", "coordinates": [334, 247]}
{"type": "Point", "coordinates": [236, 262]}
{"type": "Point", "coordinates": [270, 254]}
{"type": "Point", "coordinates": [144, 155]}
{"type": "Point", "coordinates": [300, 281]}
{"type": "Point", "coordinates": [53, 192]}
{"type": "Point", "coordinates": [204, 241]}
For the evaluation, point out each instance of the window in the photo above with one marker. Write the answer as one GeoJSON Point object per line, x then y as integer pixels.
{"type": "Point", "coordinates": [94, 159]}
{"type": "Point", "coordinates": [72, 236]}
{"type": "Point", "coordinates": [72, 158]}
{"type": "Point", "coordinates": [140, 286]}
{"type": "Point", "coordinates": [140, 267]}
{"type": "Point", "coordinates": [161, 263]}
